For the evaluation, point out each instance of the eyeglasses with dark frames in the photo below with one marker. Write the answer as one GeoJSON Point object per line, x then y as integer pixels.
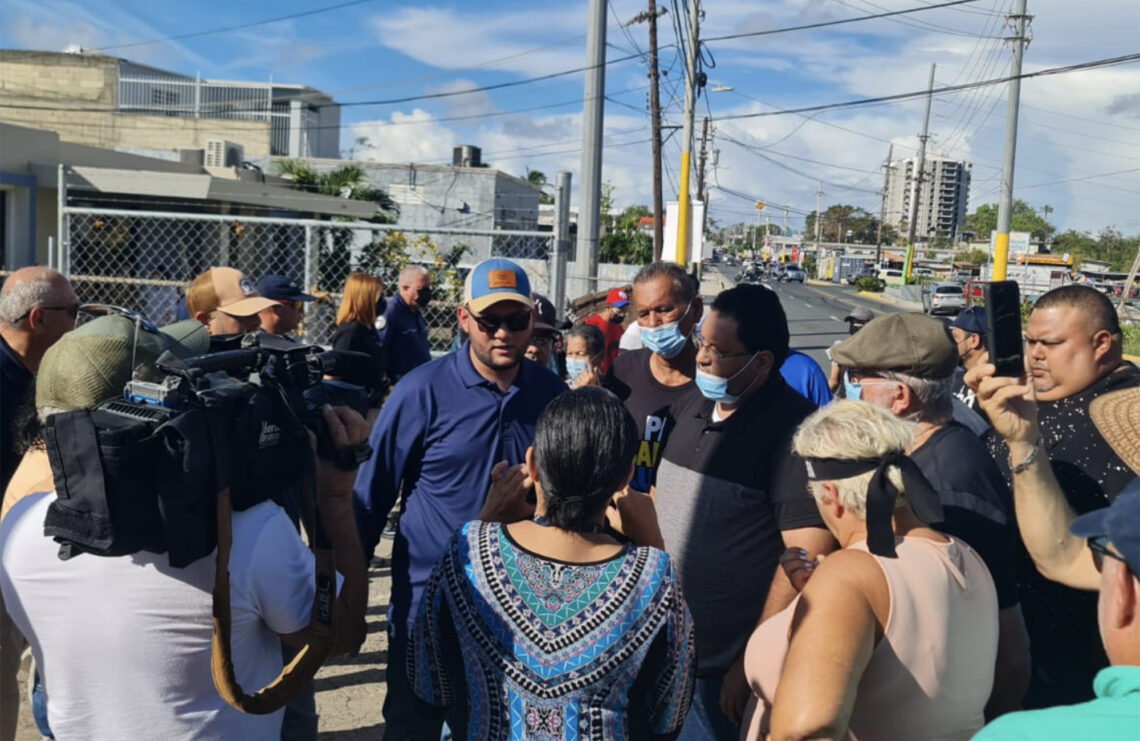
{"type": "Point", "coordinates": [1100, 550]}
{"type": "Point", "coordinates": [514, 322]}
{"type": "Point", "coordinates": [72, 311]}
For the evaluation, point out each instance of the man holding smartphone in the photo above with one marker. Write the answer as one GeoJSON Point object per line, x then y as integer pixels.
{"type": "Point", "coordinates": [1073, 354]}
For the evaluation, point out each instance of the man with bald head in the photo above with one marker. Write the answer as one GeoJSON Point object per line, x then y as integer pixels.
{"type": "Point", "coordinates": [1073, 354]}
{"type": "Point", "coordinates": [37, 306]}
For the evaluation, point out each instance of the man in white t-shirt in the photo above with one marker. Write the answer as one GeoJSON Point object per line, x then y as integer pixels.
{"type": "Point", "coordinates": [123, 644]}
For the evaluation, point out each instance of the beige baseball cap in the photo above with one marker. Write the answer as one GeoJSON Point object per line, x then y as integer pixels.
{"type": "Point", "coordinates": [225, 290]}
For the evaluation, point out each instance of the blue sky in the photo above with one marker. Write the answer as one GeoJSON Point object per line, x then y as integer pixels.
{"type": "Point", "coordinates": [1079, 149]}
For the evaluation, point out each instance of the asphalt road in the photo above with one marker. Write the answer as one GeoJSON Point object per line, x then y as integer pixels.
{"type": "Point", "coordinates": [815, 312]}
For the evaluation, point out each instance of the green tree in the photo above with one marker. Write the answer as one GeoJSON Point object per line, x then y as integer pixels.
{"type": "Point", "coordinates": [347, 181]}
{"type": "Point", "coordinates": [1023, 219]}
{"type": "Point", "coordinates": [537, 178]}
{"type": "Point", "coordinates": [839, 219]}
{"type": "Point", "coordinates": [626, 243]}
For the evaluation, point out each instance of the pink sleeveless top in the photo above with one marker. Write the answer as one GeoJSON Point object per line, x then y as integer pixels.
{"type": "Point", "coordinates": [931, 674]}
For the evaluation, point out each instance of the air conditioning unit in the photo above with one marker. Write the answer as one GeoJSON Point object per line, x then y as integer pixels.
{"type": "Point", "coordinates": [222, 153]}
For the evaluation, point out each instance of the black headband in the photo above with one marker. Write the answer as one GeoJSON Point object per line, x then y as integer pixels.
{"type": "Point", "coordinates": [882, 494]}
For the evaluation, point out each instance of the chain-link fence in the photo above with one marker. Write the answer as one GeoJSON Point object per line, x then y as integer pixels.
{"type": "Point", "coordinates": [145, 260]}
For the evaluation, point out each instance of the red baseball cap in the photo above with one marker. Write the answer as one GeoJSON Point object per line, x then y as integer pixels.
{"type": "Point", "coordinates": [618, 297]}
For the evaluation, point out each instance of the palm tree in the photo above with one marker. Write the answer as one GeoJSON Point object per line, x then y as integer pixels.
{"type": "Point", "coordinates": [346, 181]}
{"type": "Point", "coordinates": [537, 178]}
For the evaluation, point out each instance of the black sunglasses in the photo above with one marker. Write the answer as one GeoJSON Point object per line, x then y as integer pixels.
{"type": "Point", "coordinates": [72, 311]}
{"type": "Point", "coordinates": [1099, 548]}
{"type": "Point", "coordinates": [513, 323]}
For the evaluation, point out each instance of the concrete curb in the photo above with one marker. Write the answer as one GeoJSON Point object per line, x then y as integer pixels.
{"type": "Point", "coordinates": [908, 305]}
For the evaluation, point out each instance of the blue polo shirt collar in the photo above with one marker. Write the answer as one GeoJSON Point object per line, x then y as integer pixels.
{"type": "Point", "coordinates": [471, 378]}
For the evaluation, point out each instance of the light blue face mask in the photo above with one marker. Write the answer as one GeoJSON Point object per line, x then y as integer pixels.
{"type": "Point", "coordinates": [576, 367]}
{"type": "Point", "coordinates": [666, 339]}
{"type": "Point", "coordinates": [715, 388]}
{"type": "Point", "coordinates": [853, 391]}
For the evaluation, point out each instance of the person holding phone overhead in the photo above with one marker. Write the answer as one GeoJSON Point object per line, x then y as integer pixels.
{"type": "Point", "coordinates": [1073, 355]}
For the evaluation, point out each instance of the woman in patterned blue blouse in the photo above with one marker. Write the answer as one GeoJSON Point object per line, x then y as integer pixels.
{"type": "Point", "coordinates": [550, 628]}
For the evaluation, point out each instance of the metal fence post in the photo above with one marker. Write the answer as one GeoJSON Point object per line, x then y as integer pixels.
{"type": "Point", "coordinates": [307, 283]}
{"type": "Point", "coordinates": [561, 242]}
{"type": "Point", "coordinates": [62, 224]}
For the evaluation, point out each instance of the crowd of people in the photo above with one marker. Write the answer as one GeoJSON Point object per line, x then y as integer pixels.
{"type": "Point", "coordinates": [660, 521]}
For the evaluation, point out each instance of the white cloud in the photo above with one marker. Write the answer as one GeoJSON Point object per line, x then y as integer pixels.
{"type": "Point", "coordinates": [405, 137]}
{"type": "Point", "coordinates": [450, 39]}
{"type": "Point", "coordinates": [467, 104]}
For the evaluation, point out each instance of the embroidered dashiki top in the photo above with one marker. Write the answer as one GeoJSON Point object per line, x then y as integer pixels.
{"type": "Point", "coordinates": [518, 646]}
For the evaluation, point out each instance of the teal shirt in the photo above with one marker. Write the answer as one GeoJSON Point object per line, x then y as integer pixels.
{"type": "Point", "coordinates": [1114, 714]}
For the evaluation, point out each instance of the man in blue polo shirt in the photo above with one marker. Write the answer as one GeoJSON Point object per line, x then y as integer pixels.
{"type": "Point", "coordinates": [404, 331]}
{"type": "Point", "coordinates": [447, 424]}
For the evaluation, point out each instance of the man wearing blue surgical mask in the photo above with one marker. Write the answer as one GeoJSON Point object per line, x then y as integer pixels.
{"type": "Point", "coordinates": [730, 496]}
{"type": "Point", "coordinates": [650, 380]}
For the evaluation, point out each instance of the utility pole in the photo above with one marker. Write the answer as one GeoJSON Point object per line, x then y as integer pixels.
{"type": "Point", "coordinates": [1005, 199]}
{"type": "Point", "coordinates": [883, 207]}
{"type": "Point", "coordinates": [916, 186]}
{"type": "Point", "coordinates": [561, 243]}
{"type": "Point", "coordinates": [701, 160]}
{"type": "Point", "coordinates": [651, 17]}
{"type": "Point", "coordinates": [683, 204]}
{"type": "Point", "coordinates": [593, 110]}
{"type": "Point", "coordinates": [1126, 292]}
{"type": "Point", "coordinates": [819, 269]}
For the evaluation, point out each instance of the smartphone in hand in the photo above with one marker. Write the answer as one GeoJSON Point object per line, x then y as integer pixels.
{"type": "Point", "coordinates": [1004, 340]}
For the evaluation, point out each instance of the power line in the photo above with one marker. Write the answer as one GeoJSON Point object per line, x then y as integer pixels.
{"type": "Point", "coordinates": [225, 29]}
{"type": "Point", "coordinates": [841, 21]}
{"type": "Point", "coordinates": [352, 104]}
{"type": "Point", "coordinates": [912, 23]}
{"type": "Point", "coordinates": [898, 97]}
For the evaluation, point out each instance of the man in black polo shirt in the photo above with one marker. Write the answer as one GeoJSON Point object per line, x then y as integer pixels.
{"type": "Point", "coordinates": [1073, 354]}
{"type": "Point", "coordinates": [905, 363]}
{"type": "Point", "coordinates": [651, 380]}
{"type": "Point", "coordinates": [37, 307]}
{"type": "Point", "coordinates": [730, 498]}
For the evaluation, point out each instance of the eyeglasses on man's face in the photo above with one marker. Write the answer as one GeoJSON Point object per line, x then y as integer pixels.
{"type": "Point", "coordinates": [513, 322]}
{"type": "Point", "coordinates": [1100, 551]}
{"type": "Point", "coordinates": [72, 311]}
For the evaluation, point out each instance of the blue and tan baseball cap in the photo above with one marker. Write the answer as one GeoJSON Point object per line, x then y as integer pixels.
{"type": "Point", "coordinates": [495, 280]}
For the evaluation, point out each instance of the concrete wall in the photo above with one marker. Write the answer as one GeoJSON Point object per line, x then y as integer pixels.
{"type": "Point", "coordinates": [75, 95]}
{"type": "Point", "coordinates": [433, 196]}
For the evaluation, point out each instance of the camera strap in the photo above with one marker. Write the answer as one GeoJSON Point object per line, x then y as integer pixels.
{"type": "Point", "coordinates": [294, 677]}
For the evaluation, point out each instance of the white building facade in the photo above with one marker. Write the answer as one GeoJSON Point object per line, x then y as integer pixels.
{"type": "Point", "coordinates": [943, 194]}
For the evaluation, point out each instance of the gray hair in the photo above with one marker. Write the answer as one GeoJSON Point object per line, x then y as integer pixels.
{"type": "Point", "coordinates": [595, 340]}
{"type": "Point", "coordinates": [853, 430]}
{"type": "Point", "coordinates": [682, 282]}
{"type": "Point", "coordinates": [24, 291]}
{"type": "Point", "coordinates": [934, 395]}
{"type": "Point", "coordinates": [410, 273]}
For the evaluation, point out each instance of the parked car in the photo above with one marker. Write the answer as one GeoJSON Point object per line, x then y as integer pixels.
{"type": "Point", "coordinates": [792, 274]}
{"type": "Point", "coordinates": [943, 298]}
{"type": "Point", "coordinates": [869, 273]}
{"type": "Point", "coordinates": [891, 276]}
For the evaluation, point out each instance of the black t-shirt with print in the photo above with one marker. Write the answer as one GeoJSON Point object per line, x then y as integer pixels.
{"type": "Point", "coordinates": [1064, 637]}
{"type": "Point", "coordinates": [651, 404]}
